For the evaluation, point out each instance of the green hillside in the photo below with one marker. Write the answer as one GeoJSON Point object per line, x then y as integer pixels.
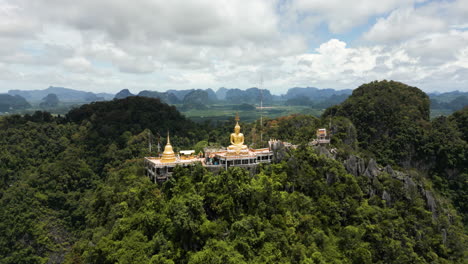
{"type": "Point", "coordinates": [392, 187]}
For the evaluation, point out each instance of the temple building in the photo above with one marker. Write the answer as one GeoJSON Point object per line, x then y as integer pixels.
{"type": "Point", "coordinates": [160, 168]}
{"type": "Point", "coordinates": [322, 137]}
{"type": "Point", "coordinates": [237, 154]}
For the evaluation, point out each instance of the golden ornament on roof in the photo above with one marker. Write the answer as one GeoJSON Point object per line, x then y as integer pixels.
{"type": "Point", "coordinates": [168, 154]}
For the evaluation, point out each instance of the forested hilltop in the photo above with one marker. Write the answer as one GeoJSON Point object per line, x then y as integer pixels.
{"type": "Point", "coordinates": [393, 190]}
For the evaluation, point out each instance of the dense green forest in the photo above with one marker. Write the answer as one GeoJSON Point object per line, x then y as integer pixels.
{"type": "Point", "coordinates": [391, 188]}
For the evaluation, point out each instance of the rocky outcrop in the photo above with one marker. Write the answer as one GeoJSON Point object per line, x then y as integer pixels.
{"type": "Point", "coordinates": [355, 165]}
{"type": "Point", "coordinates": [279, 150]}
{"type": "Point", "coordinates": [321, 150]}
{"type": "Point", "coordinates": [372, 169]}
{"type": "Point", "coordinates": [386, 196]}
{"type": "Point", "coordinates": [409, 184]}
{"type": "Point", "coordinates": [388, 169]}
{"type": "Point", "coordinates": [430, 203]}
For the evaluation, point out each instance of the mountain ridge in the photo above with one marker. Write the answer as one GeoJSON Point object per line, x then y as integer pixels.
{"type": "Point", "coordinates": [64, 94]}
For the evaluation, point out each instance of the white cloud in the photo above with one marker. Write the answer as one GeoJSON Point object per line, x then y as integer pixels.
{"type": "Point", "coordinates": [403, 24]}
{"type": "Point", "coordinates": [333, 62]}
{"type": "Point", "coordinates": [342, 15]}
{"type": "Point", "coordinates": [156, 44]}
{"type": "Point", "coordinates": [197, 22]}
{"type": "Point", "coordinates": [416, 62]}
{"type": "Point", "coordinates": [145, 36]}
{"type": "Point", "coordinates": [78, 64]}
{"type": "Point", "coordinates": [12, 23]}
{"type": "Point", "coordinates": [438, 48]}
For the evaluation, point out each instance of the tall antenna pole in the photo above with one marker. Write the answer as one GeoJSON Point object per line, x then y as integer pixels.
{"type": "Point", "coordinates": [261, 108]}
{"type": "Point", "coordinates": [159, 143]}
{"type": "Point", "coordinates": [149, 140]}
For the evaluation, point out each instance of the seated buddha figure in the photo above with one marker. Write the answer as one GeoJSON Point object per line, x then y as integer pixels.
{"type": "Point", "coordinates": [237, 140]}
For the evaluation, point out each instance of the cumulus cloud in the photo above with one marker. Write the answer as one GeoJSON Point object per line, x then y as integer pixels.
{"type": "Point", "coordinates": [342, 15]}
{"type": "Point", "coordinates": [77, 64]}
{"type": "Point", "coordinates": [13, 24]}
{"type": "Point", "coordinates": [108, 45]}
{"type": "Point", "coordinates": [403, 24]}
{"type": "Point", "coordinates": [196, 22]}
{"type": "Point", "coordinates": [437, 49]}
{"type": "Point", "coordinates": [144, 36]}
{"type": "Point", "coordinates": [334, 64]}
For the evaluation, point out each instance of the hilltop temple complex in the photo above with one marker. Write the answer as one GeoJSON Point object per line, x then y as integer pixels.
{"type": "Point", "coordinates": [237, 154]}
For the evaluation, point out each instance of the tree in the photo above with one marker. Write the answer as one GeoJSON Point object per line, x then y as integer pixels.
{"type": "Point", "coordinates": [217, 252]}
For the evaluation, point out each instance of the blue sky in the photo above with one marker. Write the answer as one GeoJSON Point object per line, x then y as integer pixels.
{"type": "Point", "coordinates": [109, 45]}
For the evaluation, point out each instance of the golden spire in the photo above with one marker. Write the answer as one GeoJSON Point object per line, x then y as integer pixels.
{"type": "Point", "coordinates": [168, 154]}
{"type": "Point", "coordinates": [237, 121]}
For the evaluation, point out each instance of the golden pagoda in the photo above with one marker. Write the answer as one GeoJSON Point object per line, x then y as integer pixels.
{"type": "Point", "coordinates": [168, 155]}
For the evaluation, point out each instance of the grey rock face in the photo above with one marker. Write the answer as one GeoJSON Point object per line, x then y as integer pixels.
{"type": "Point", "coordinates": [372, 169]}
{"type": "Point", "coordinates": [361, 166]}
{"type": "Point", "coordinates": [279, 151]}
{"type": "Point", "coordinates": [351, 165]}
{"type": "Point", "coordinates": [386, 196]}
{"type": "Point", "coordinates": [400, 175]}
{"type": "Point", "coordinates": [355, 165]}
{"type": "Point", "coordinates": [388, 169]}
{"type": "Point", "coordinates": [409, 183]}
{"type": "Point", "coordinates": [411, 189]}
{"type": "Point", "coordinates": [431, 204]}
{"type": "Point", "coordinates": [324, 151]}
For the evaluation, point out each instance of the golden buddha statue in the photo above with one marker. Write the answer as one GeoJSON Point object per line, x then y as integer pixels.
{"type": "Point", "coordinates": [237, 139]}
{"type": "Point", "coordinates": [168, 155]}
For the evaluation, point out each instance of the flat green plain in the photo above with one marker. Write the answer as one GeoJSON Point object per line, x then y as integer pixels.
{"type": "Point", "coordinates": [222, 112]}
